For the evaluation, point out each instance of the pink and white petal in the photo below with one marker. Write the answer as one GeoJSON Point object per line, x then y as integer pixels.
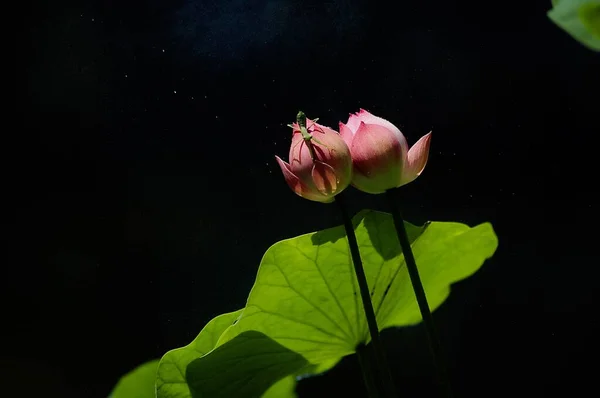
{"type": "Point", "coordinates": [324, 178]}
{"type": "Point", "coordinates": [315, 196]}
{"type": "Point", "coordinates": [288, 175]}
{"type": "Point", "coordinates": [346, 134]}
{"type": "Point", "coordinates": [368, 118]}
{"type": "Point", "coordinates": [296, 185]}
{"type": "Point", "coordinates": [367, 184]}
{"type": "Point", "coordinates": [353, 122]}
{"type": "Point", "coordinates": [417, 159]}
{"type": "Point", "coordinates": [377, 158]}
{"type": "Point", "coordinates": [300, 159]}
{"type": "Point", "coordinates": [375, 147]}
{"type": "Point", "coordinates": [319, 129]}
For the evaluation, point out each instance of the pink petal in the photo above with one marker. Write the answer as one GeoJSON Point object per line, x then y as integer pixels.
{"type": "Point", "coordinates": [324, 178]}
{"type": "Point", "coordinates": [417, 159]}
{"type": "Point", "coordinates": [375, 147]}
{"type": "Point", "coordinates": [353, 122]}
{"type": "Point", "coordinates": [367, 184]}
{"type": "Point", "coordinates": [312, 126]}
{"type": "Point", "coordinates": [320, 129]}
{"type": "Point", "coordinates": [300, 159]}
{"type": "Point", "coordinates": [377, 157]}
{"type": "Point", "coordinates": [368, 118]}
{"type": "Point", "coordinates": [346, 134]}
{"type": "Point", "coordinates": [298, 186]}
{"type": "Point", "coordinates": [289, 177]}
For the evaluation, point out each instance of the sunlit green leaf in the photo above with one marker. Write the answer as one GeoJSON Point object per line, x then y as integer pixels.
{"type": "Point", "coordinates": [284, 388]}
{"type": "Point", "coordinates": [306, 300]}
{"type": "Point", "coordinates": [170, 381]}
{"type": "Point", "coordinates": [179, 365]}
{"type": "Point", "coordinates": [580, 19]}
{"type": "Point", "coordinates": [251, 362]}
{"type": "Point", "coordinates": [139, 383]}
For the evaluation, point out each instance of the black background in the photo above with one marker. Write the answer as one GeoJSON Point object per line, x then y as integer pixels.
{"type": "Point", "coordinates": [142, 189]}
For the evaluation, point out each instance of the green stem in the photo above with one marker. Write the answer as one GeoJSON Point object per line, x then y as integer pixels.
{"type": "Point", "coordinates": [362, 352]}
{"type": "Point", "coordinates": [434, 341]}
{"type": "Point", "coordinates": [382, 368]}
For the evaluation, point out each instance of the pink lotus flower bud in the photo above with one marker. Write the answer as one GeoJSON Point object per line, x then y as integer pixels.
{"type": "Point", "coordinates": [321, 178]}
{"type": "Point", "coordinates": [380, 153]}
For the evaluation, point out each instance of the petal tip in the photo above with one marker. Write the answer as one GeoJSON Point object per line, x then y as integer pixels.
{"type": "Point", "coordinates": [426, 139]}
{"type": "Point", "coordinates": [283, 164]}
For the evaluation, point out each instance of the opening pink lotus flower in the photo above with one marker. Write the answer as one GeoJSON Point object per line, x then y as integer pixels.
{"type": "Point", "coordinates": [330, 172]}
{"type": "Point", "coordinates": [380, 154]}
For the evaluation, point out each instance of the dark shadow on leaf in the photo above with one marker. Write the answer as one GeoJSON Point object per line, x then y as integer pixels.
{"type": "Point", "coordinates": [382, 233]}
{"type": "Point", "coordinates": [380, 229]}
{"type": "Point", "coordinates": [336, 233]}
{"type": "Point", "coordinates": [246, 366]}
{"type": "Point", "coordinates": [328, 235]}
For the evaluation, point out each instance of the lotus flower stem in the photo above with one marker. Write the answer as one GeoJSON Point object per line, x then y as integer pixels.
{"type": "Point", "coordinates": [382, 369]}
{"type": "Point", "coordinates": [362, 352]}
{"type": "Point", "coordinates": [432, 336]}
